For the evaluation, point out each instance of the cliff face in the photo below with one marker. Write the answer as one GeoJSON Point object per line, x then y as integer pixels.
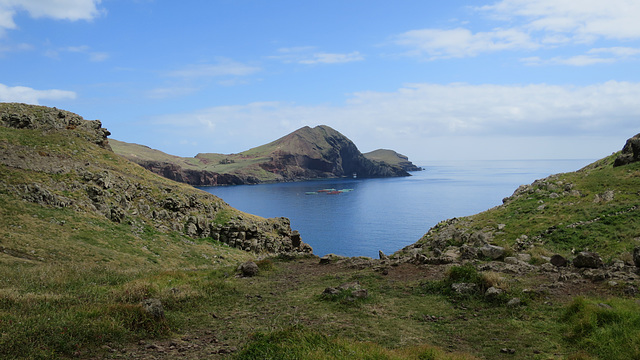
{"type": "Point", "coordinates": [194, 177]}
{"type": "Point", "coordinates": [57, 160]}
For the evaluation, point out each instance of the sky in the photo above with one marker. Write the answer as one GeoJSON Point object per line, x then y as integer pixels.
{"type": "Point", "coordinates": [431, 79]}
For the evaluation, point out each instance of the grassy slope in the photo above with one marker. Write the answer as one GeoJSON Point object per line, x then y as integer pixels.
{"type": "Point", "coordinates": [71, 284]}
{"type": "Point", "coordinates": [562, 214]}
{"type": "Point", "coordinates": [388, 156]}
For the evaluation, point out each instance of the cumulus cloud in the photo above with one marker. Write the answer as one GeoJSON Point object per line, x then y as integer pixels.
{"type": "Point", "coordinates": [72, 10]}
{"type": "Point", "coordinates": [531, 25]}
{"type": "Point", "coordinates": [414, 116]}
{"type": "Point", "coordinates": [460, 42]}
{"type": "Point", "coordinates": [32, 96]}
{"type": "Point", "coordinates": [579, 21]}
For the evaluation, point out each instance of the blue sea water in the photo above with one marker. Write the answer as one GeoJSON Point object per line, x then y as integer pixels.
{"type": "Point", "coordinates": [391, 213]}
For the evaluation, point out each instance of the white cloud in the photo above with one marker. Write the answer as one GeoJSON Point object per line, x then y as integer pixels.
{"type": "Point", "coordinates": [580, 21]}
{"type": "Point", "coordinates": [327, 58]}
{"type": "Point", "coordinates": [94, 56]}
{"type": "Point", "coordinates": [533, 24]}
{"type": "Point", "coordinates": [460, 42]}
{"type": "Point", "coordinates": [309, 56]}
{"type": "Point", "coordinates": [592, 57]}
{"type": "Point", "coordinates": [224, 67]}
{"type": "Point", "coordinates": [32, 96]}
{"type": "Point", "coordinates": [412, 117]}
{"type": "Point", "coordinates": [170, 92]}
{"type": "Point", "coordinates": [72, 10]}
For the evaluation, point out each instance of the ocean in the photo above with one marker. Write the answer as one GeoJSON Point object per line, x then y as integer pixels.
{"type": "Point", "coordinates": [391, 213]}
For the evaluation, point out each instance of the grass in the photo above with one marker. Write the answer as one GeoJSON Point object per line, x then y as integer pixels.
{"type": "Point", "coordinates": [609, 329]}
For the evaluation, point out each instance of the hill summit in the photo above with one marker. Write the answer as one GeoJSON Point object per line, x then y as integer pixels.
{"type": "Point", "coordinates": [307, 153]}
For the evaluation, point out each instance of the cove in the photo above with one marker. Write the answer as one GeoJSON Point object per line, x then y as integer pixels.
{"type": "Point", "coordinates": [388, 214]}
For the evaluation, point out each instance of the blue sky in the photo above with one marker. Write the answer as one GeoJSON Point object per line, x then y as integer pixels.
{"type": "Point", "coordinates": [435, 80]}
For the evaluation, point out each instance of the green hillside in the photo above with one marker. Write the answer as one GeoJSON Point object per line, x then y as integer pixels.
{"type": "Point", "coordinates": [307, 153]}
{"type": "Point", "coordinates": [101, 259]}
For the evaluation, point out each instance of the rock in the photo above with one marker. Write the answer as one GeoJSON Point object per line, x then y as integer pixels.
{"type": "Point", "coordinates": [630, 152]}
{"type": "Point", "coordinates": [492, 293]}
{"type": "Point", "coordinates": [508, 351]}
{"type": "Point", "coordinates": [464, 288]}
{"type": "Point", "coordinates": [636, 256]}
{"type": "Point", "coordinates": [382, 256]}
{"type": "Point", "coordinates": [331, 291]}
{"type": "Point", "coordinates": [588, 259]}
{"type": "Point", "coordinates": [354, 285]}
{"type": "Point", "coordinates": [468, 252]}
{"type": "Point", "coordinates": [524, 257]}
{"type": "Point", "coordinates": [248, 269]}
{"type": "Point", "coordinates": [153, 307]}
{"type": "Point", "coordinates": [491, 251]}
{"type": "Point", "coordinates": [558, 261]}
{"type": "Point", "coordinates": [360, 294]}
{"type": "Point", "coordinates": [329, 258]}
{"type": "Point", "coordinates": [514, 302]}
{"type": "Point", "coordinates": [501, 226]}
{"type": "Point", "coordinates": [511, 260]}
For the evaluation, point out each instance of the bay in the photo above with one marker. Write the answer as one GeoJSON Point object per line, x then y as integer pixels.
{"type": "Point", "coordinates": [390, 213]}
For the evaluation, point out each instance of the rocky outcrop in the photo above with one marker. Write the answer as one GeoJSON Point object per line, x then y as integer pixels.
{"type": "Point", "coordinates": [22, 116]}
{"type": "Point", "coordinates": [67, 164]}
{"type": "Point", "coordinates": [195, 177]}
{"type": "Point", "coordinates": [630, 152]}
{"type": "Point", "coordinates": [392, 158]}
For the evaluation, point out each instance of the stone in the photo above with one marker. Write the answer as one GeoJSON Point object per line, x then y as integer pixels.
{"type": "Point", "coordinates": [588, 259]}
{"type": "Point", "coordinates": [248, 269]}
{"type": "Point", "coordinates": [514, 302]}
{"type": "Point", "coordinates": [464, 288]}
{"type": "Point", "coordinates": [354, 285]}
{"type": "Point", "coordinates": [382, 256]}
{"type": "Point", "coordinates": [558, 261]}
{"type": "Point", "coordinates": [630, 152]}
{"type": "Point", "coordinates": [153, 307]}
{"type": "Point", "coordinates": [636, 256]}
{"type": "Point", "coordinates": [524, 257]}
{"type": "Point", "coordinates": [492, 293]}
{"type": "Point", "coordinates": [331, 291]}
{"type": "Point", "coordinates": [491, 251]}
{"type": "Point", "coordinates": [360, 294]}
{"type": "Point", "coordinates": [511, 260]}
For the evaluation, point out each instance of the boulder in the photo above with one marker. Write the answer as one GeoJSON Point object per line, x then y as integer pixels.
{"type": "Point", "coordinates": [514, 302]}
{"type": "Point", "coordinates": [630, 152]}
{"type": "Point", "coordinates": [331, 291]}
{"type": "Point", "coordinates": [588, 259]}
{"type": "Point", "coordinates": [360, 294]}
{"type": "Point", "coordinates": [558, 261]}
{"type": "Point", "coordinates": [491, 251]}
{"type": "Point", "coordinates": [636, 256]}
{"type": "Point", "coordinates": [492, 293]}
{"type": "Point", "coordinates": [248, 269]}
{"type": "Point", "coordinates": [153, 307]}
